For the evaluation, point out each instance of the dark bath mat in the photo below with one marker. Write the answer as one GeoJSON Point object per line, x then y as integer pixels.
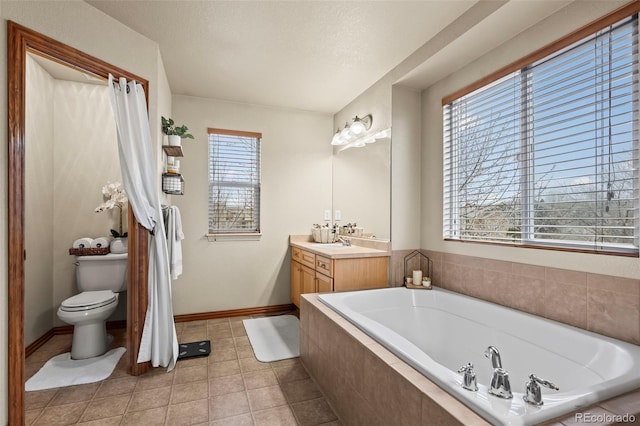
{"type": "Point", "coordinates": [194, 349]}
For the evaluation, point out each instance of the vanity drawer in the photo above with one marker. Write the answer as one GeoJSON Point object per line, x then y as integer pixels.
{"type": "Point", "coordinates": [324, 265]}
{"type": "Point", "coordinates": [304, 257]}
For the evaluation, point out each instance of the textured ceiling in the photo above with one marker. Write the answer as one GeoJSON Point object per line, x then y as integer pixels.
{"type": "Point", "coordinates": [310, 55]}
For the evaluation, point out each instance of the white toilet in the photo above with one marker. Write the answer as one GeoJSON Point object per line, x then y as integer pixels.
{"type": "Point", "coordinates": [99, 279]}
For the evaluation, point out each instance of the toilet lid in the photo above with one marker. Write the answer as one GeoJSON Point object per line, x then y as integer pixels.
{"type": "Point", "coordinates": [88, 300]}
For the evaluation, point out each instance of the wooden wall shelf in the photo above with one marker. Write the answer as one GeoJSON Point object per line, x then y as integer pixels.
{"type": "Point", "coordinates": [173, 150]}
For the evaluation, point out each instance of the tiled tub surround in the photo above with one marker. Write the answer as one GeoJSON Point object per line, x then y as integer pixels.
{"type": "Point", "coordinates": [603, 304]}
{"type": "Point", "coordinates": [457, 329]}
{"type": "Point", "coordinates": [368, 385]}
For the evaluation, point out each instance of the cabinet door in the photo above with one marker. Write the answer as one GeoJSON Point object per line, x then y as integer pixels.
{"type": "Point", "coordinates": [325, 283]}
{"type": "Point", "coordinates": [308, 280]}
{"type": "Point", "coordinates": [360, 273]}
{"type": "Point", "coordinates": [296, 282]}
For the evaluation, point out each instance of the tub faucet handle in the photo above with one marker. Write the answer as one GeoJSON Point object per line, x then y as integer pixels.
{"type": "Point", "coordinates": [533, 394]}
{"type": "Point", "coordinates": [469, 381]}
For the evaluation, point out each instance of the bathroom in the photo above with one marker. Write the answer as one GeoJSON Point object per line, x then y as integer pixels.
{"type": "Point", "coordinates": [242, 274]}
{"type": "Point", "coordinates": [72, 129]}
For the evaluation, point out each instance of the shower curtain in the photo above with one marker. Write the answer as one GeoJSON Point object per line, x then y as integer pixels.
{"type": "Point", "coordinates": [159, 342]}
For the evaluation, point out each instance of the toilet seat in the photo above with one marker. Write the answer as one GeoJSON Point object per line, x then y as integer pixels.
{"type": "Point", "coordinates": [88, 300]}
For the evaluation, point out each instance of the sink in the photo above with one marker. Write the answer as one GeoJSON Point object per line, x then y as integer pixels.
{"type": "Point", "coordinates": [329, 245]}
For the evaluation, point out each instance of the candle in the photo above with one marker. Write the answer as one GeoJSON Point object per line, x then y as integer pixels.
{"type": "Point", "coordinates": [417, 277]}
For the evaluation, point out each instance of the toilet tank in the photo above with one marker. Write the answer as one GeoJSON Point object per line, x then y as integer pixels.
{"type": "Point", "coordinates": [106, 272]}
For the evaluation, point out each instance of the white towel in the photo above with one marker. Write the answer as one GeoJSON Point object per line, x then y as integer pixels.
{"type": "Point", "coordinates": [174, 238]}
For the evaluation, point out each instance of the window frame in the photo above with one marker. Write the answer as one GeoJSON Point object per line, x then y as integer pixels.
{"type": "Point", "coordinates": [525, 181]}
{"type": "Point", "coordinates": [235, 234]}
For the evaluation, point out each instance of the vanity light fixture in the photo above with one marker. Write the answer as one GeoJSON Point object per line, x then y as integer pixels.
{"type": "Point", "coordinates": [352, 131]}
{"type": "Point", "coordinates": [365, 139]}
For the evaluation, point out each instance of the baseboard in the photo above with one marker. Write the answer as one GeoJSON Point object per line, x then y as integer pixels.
{"type": "Point", "coordinates": [263, 310]}
{"type": "Point", "coordinates": [38, 343]}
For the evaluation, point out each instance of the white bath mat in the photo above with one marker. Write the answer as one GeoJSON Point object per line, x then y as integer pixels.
{"type": "Point", "coordinates": [61, 370]}
{"type": "Point", "coordinates": [274, 338]}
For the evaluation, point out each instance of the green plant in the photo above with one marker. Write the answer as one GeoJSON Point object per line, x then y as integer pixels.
{"type": "Point", "coordinates": [169, 128]}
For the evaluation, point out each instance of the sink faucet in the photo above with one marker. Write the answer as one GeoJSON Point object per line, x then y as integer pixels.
{"type": "Point", "coordinates": [345, 241]}
{"type": "Point", "coordinates": [500, 385]}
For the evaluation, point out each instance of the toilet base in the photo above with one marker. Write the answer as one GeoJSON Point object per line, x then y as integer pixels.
{"type": "Point", "coordinates": [90, 340]}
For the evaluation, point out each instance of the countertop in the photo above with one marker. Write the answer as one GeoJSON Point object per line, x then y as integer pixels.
{"type": "Point", "coordinates": [337, 251]}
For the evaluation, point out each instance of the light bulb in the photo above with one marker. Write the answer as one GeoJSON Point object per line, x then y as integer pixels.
{"type": "Point", "coordinates": [358, 126]}
{"type": "Point", "coordinates": [337, 140]}
{"type": "Point", "coordinates": [346, 134]}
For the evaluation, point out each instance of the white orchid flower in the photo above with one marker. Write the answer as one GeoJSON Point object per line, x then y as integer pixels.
{"type": "Point", "coordinates": [113, 195]}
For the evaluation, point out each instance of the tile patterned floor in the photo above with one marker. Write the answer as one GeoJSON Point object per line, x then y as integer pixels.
{"type": "Point", "coordinates": [230, 387]}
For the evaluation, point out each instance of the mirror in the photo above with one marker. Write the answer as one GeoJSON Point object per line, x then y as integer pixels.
{"type": "Point", "coordinates": [361, 182]}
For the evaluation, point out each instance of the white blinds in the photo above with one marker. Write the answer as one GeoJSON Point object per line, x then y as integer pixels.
{"type": "Point", "coordinates": [234, 183]}
{"type": "Point", "coordinates": [549, 154]}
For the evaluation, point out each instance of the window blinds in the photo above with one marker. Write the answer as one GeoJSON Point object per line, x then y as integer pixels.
{"type": "Point", "coordinates": [548, 155]}
{"type": "Point", "coordinates": [234, 182]}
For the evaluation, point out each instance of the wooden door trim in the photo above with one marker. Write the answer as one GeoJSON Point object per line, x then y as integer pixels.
{"type": "Point", "coordinates": [20, 41]}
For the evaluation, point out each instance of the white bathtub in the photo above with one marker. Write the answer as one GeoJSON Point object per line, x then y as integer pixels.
{"type": "Point", "coordinates": [438, 331]}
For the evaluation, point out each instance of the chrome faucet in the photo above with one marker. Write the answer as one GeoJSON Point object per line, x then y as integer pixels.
{"type": "Point", "coordinates": [345, 241]}
{"type": "Point", "coordinates": [469, 381]}
{"type": "Point", "coordinates": [500, 385]}
{"type": "Point", "coordinates": [533, 394]}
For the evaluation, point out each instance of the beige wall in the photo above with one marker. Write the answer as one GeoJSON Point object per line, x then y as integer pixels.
{"type": "Point", "coordinates": [296, 189]}
{"type": "Point", "coordinates": [405, 169]}
{"type": "Point", "coordinates": [85, 158]}
{"type": "Point", "coordinates": [39, 214]}
{"type": "Point", "coordinates": [83, 27]}
{"type": "Point", "coordinates": [552, 28]}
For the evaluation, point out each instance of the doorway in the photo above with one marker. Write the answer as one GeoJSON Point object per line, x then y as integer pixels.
{"type": "Point", "coordinates": [22, 40]}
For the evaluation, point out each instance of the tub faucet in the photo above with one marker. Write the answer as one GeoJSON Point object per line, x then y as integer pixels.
{"type": "Point", "coordinates": [500, 385]}
{"type": "Point", "coordinates": [533, 394]}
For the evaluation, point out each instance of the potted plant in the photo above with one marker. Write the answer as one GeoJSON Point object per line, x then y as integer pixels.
{"type": "Point", "coordinates": [114, 196]}
{"type": "Point", "coordinates": [175, 133]}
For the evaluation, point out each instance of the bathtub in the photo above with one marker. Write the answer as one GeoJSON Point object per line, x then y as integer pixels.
{"type": "Point", "coordinates": [437, 331]}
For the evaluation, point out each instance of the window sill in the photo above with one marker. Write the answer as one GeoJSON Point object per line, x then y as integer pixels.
{"type": "Point", "coordinates": [234, 237]}
{"type": "Point", "coordinates": [627, 253]}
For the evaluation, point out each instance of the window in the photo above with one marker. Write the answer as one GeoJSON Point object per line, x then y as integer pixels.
{"type": "Point", "coordinates": [234, 181]}
{"type": "Point", "coordinates": [547, 155]}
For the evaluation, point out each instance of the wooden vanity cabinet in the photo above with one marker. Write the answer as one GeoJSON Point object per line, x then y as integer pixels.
{"type": "Point", "coordinates": [312, 273]}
